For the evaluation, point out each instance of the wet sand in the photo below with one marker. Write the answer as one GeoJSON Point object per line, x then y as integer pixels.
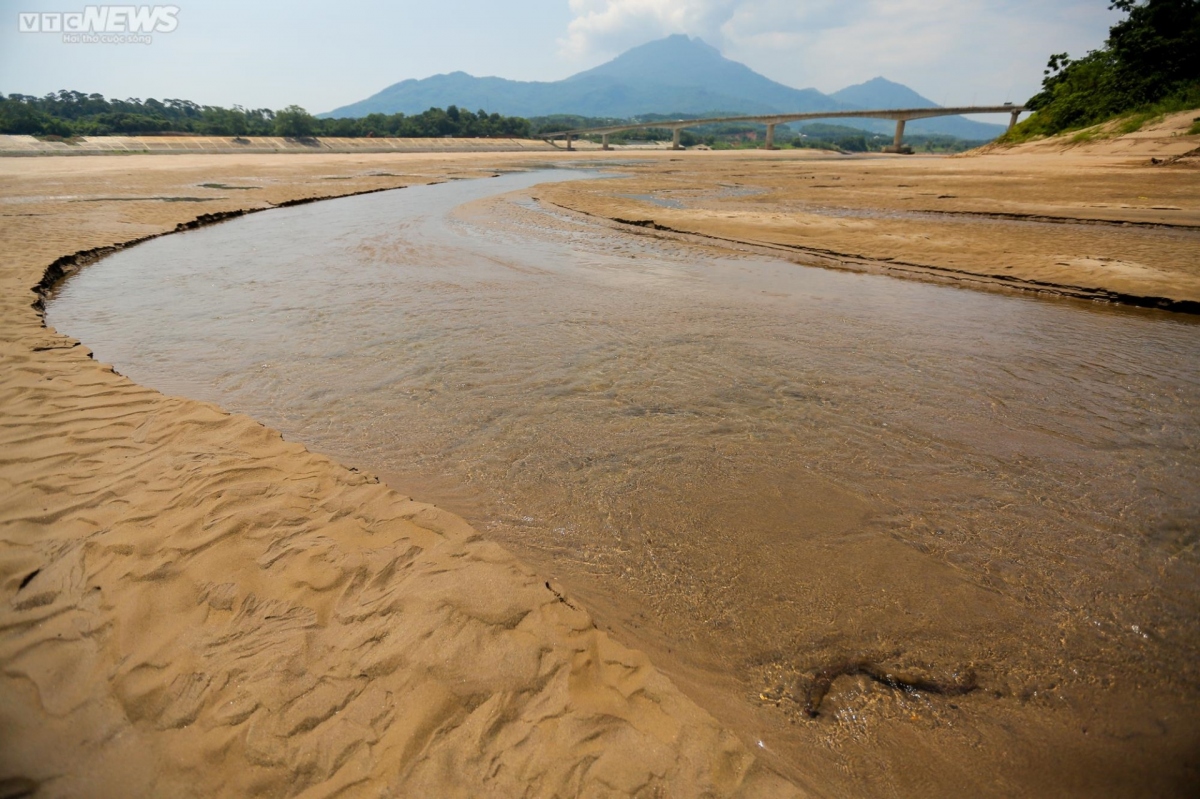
{"type": "Point", "coordinates": [162, 674]}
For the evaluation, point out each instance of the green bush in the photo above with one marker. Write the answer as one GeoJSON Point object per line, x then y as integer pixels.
{"type": "Point", "coordinates": [295, 122]}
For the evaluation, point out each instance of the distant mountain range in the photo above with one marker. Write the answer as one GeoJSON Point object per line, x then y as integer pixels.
{"type": "Point", "coordinates": [675, 75]}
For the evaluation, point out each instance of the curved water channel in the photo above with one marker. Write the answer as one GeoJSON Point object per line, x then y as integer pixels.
{"type": "Point", "coordinates": [905, 538]}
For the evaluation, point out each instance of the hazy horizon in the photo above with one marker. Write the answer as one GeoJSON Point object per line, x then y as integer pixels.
{"type": "Point", "coordinates": [272, 54]}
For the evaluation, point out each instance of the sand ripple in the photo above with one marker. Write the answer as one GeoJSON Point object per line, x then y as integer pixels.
{"type": "Point", "coordinates": [191, 606]}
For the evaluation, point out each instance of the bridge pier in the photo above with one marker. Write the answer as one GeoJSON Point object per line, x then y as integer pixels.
{"type": "Point", "coordinates": [1012, 120]}
{"type": "Point", "coordinates": [770, 142]}
{"type": "Point", "coordinates": [604, 142]}
{"type": "Point", "coordinates": [569, 147]}
{"type": "Point", "coordinates": [898, 145]}
{"type": "Point", "coordinates": [675, 138]}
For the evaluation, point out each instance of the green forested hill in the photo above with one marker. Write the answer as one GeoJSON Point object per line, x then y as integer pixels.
{"type": "Point", "coordinates": [1150, 64]}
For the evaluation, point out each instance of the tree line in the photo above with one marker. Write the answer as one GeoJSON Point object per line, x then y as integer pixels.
{"type": "Point", "coordinates": [66, 114]}
{"type": "Point", "coordinates": [1149, 64]}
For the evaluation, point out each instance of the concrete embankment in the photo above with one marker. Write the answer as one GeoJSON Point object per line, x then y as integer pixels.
{"type": "Point", "coordinates": [113, 145]}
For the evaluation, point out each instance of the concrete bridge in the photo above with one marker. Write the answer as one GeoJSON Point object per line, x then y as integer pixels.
{"type": "Point", "coordinates": [901, 115]}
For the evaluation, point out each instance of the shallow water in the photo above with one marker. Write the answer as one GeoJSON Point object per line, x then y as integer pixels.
{"type": "Point", "coordinates": [755, 470]}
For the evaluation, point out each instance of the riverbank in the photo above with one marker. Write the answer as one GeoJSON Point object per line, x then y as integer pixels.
{"type": "Point", "coordinates": [1092, 225]}
{"type": "Point", "coordinates": [194, 606]}
{"type": "Point", "coordinates": [402, 650]}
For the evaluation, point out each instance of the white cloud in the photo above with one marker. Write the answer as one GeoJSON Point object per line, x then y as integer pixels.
{"type": "Point", "coordinates": [953, 51]}
{"type": "Point", "coordinates": [612, 26]}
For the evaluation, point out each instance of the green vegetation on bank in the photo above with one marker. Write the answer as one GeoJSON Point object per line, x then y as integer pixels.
{"type": "Point", "coordinates": [67, 114]}
{"type": "Point", "coordinates": [1149, 66]}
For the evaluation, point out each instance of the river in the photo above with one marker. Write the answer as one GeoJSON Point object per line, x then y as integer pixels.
{"type": "Point", "coordinates": [905, 538]}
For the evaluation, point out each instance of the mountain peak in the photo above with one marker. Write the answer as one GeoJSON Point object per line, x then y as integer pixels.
{"type": "Point", "coordinates": [679, 41]}
{"type": "Point", "coordinates": [672, 60]}
{"type": "Point", "coordinates": [881, 93]}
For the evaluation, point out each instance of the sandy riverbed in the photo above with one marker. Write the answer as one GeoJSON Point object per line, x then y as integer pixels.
{"type": "Point", "coordinates": [193, 605]}
{"type": "Point", "coordinates": [1103, 221]}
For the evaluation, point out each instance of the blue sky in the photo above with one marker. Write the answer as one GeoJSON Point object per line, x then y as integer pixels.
{"type": "Point", "coordinates": [320, 55]}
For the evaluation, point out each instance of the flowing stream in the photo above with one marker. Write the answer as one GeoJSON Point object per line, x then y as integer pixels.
{"type": "Point", "coordinates": [905, 538]}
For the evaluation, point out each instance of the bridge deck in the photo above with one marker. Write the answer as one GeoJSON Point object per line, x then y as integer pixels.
{"type": "Point", "coordinates": [898, 114]}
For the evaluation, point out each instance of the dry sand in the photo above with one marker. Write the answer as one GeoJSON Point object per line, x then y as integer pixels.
{"type": "Point", "coordinates": [192, 606]}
